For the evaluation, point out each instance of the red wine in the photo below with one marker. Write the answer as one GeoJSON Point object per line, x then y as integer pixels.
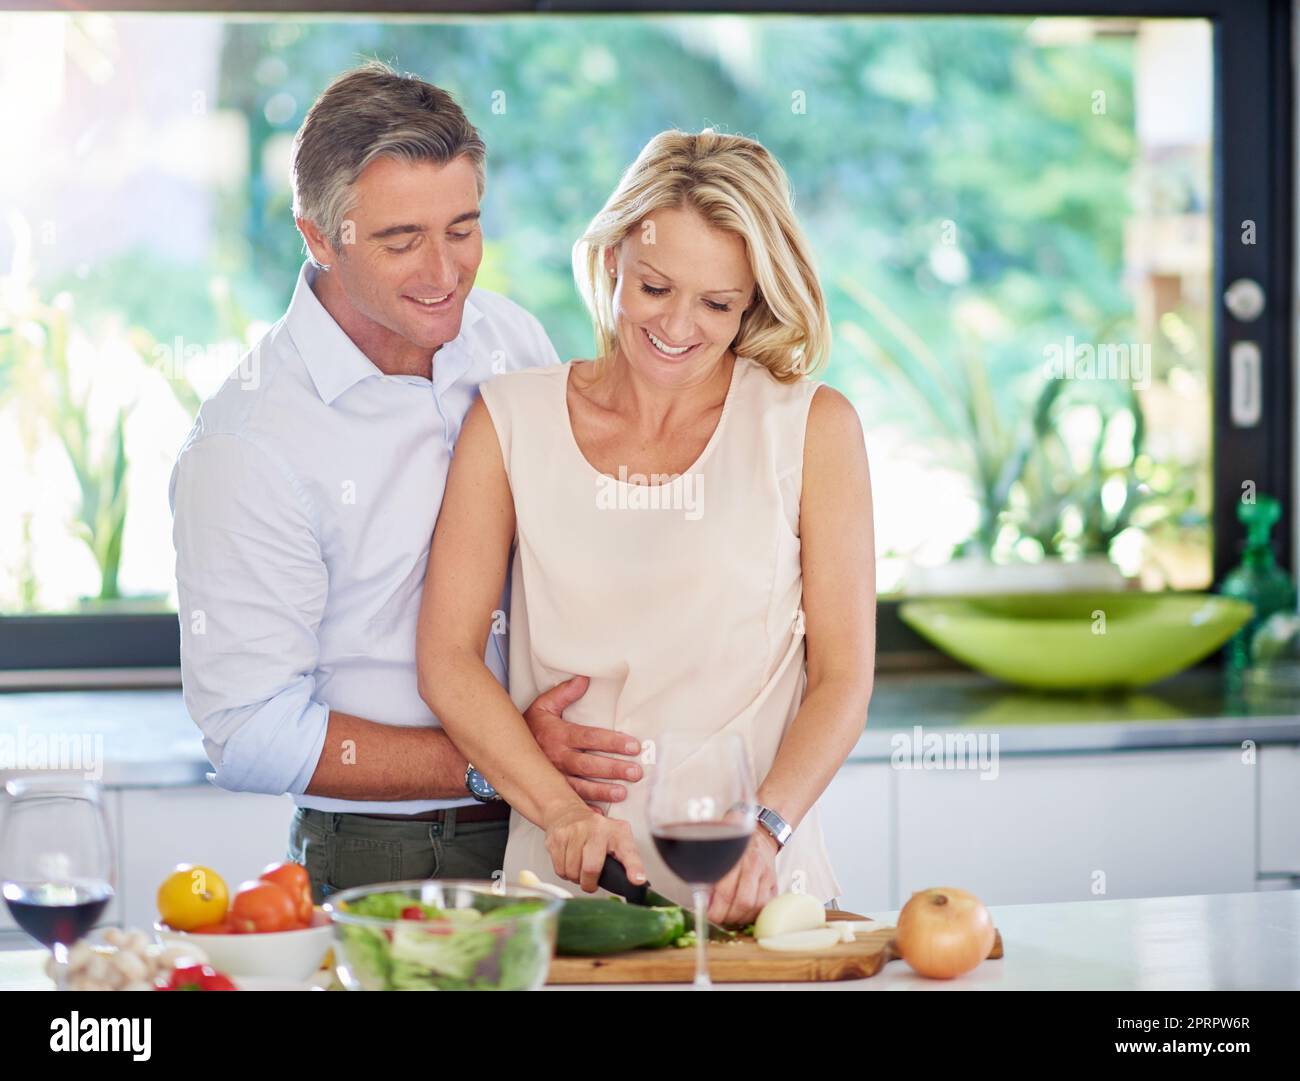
{"type": "Point", "coordinates": [700, 853]}
{"type": "Point", "coordinates": [62, 913]}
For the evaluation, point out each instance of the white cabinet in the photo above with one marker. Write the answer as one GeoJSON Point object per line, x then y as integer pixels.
{"type": "Point", "coordinates": [1048, 827]}
{"type": "Point", "coordinates": [234, 833]}
{"type": "Point", "coordinates": [1076, 827]}
{"type": "Point", "coordinates": [1279, 810]}
{"type": "Point", "coordinates": [857, 815]}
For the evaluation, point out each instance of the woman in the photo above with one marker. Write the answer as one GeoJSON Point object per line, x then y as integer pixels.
{"type": "Point", "coordinates": [692, 523]}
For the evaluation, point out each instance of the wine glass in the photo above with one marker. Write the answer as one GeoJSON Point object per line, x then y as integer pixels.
{"type": "Point", "coordinates": [56, 861]}
{"type": "Point", "coordinates": [702, 814]}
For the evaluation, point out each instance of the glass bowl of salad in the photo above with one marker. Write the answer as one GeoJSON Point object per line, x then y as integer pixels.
{"type": "Point", "coordinates": [443, 935]}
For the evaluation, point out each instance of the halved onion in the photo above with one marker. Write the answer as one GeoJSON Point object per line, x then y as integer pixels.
{"type": "Point", "coordinates": [789, 912]}
{"type": "Point", "coordinates": [819, 938]}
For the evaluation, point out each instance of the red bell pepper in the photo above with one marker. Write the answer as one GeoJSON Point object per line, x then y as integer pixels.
{"type": "Point", "coordinates": [195, 978]}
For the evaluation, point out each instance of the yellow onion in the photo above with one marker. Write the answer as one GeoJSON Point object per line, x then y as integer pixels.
{"type": "Point", "coordinates": [943, 932]}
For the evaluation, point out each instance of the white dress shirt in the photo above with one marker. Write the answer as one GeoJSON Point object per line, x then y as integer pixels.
{"type": "Point", "coordinates": [303, 502]}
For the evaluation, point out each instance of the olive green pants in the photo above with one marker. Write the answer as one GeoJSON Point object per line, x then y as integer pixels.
{"type": "Point", "coordinates": [345, 850]}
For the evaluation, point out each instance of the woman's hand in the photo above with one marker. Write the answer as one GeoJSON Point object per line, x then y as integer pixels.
{"type": "Point", "coordinates": [579, 838]}
{"type": "Point", "coordinates": [740, 895]}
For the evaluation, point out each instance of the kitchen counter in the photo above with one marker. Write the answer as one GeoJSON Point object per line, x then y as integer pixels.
{"type": "Point", "coordinates": [148, 740]}
{"type": "Point", "coordinates": [1226, 942]}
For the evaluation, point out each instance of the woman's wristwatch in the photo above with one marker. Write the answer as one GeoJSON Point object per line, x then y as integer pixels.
{"type": "Point", "coordinates": [777, 826]}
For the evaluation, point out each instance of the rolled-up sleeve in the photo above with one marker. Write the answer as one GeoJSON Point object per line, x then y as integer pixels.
{"type": "Point", "coordinates": [251, 587]}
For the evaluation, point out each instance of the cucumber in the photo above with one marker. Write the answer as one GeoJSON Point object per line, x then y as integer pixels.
{"type": "Point", "coordinates": [594, 925]}
{"type": "Point", "coordinates": [675, 929]}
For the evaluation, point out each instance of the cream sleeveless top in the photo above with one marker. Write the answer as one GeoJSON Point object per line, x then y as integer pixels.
{"type": "Point", "coordinates": [680, 600]}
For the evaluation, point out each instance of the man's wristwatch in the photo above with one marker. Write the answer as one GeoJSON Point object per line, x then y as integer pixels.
{"type": "Point", "coordinates": [479, 786]}
{"type": "Point", "coordinates": [777, 826]}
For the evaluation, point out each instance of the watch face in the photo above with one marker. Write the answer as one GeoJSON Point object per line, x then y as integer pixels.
{"type": "Point", "coordinates": [479, 787]}
{"type": "Point", "coordinates": [775, 825]}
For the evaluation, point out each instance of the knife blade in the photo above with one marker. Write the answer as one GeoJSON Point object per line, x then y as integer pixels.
{"type": "Point", "coordinates": [613, 877]}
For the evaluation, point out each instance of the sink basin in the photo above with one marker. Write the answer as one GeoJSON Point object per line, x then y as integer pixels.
{"type": "Point", "coordinates": [1072, 641]}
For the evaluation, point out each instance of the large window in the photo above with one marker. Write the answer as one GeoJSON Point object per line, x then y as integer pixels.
{"type": "Point", "coordinates": [1015, 219]}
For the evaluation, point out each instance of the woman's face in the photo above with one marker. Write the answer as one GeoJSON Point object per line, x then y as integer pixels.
{"type": "Point", "coordinates": [682, 287]}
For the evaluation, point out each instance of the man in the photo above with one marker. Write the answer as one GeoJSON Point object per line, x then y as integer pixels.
{"type": "Point", "coordinates": [305, 497]}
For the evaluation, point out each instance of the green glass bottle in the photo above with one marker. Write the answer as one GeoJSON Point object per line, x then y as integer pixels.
{"type": "Point", "coordinates": [1257, 578]}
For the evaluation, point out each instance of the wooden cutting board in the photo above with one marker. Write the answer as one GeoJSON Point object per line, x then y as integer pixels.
{"type": "Point", "coordinates": [743, 961]}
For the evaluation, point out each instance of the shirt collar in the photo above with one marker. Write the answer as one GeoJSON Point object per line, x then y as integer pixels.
{"type": "Point", "coordinates": [333, 360]}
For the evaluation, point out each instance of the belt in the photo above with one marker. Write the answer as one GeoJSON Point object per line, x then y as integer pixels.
{"type": "Point", "coordinates": [482, 812]}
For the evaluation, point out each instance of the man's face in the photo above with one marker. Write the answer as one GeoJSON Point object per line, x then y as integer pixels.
{"type": "Point", "coordinates": [415, 252]}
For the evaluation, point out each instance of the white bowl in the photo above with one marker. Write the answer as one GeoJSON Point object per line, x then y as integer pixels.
{"type": "Point", "coordinates": [279, 955]}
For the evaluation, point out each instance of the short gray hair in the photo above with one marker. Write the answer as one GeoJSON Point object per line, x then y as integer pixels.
{"type": "Point", "coordinates": [366, 113]}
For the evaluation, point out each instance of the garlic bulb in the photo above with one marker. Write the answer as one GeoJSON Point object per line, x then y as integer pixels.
{"type": "Point", "coordinates": [127, 960]}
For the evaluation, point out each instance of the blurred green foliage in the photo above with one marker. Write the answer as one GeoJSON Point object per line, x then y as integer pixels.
{"type": "Point", "coordinates": [36, 373]}
{"type": "Point", "coordinates": [965, 188]}
{"type": "Point", "coordinates": [905, 124]}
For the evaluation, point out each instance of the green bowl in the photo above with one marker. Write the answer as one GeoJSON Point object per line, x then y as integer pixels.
{"type": "Point", "coordinates": [1073, 641]}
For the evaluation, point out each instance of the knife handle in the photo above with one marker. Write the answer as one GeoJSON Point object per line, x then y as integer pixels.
{"type": "Point", "coordinates": [613, 877]}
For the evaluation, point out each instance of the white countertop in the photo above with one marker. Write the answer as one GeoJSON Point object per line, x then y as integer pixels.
{"type": "Point", "coordinates": [1224, 942]}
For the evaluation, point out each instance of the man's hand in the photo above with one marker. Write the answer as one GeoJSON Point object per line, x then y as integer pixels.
{"type": "Point", "coordinates": [570, 746]}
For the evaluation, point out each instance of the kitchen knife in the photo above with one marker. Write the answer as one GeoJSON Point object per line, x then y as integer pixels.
{"type": "Point", "coordinates": [613, 877]}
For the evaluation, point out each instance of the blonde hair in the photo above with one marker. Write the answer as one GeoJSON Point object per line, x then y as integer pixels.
{"type": "Point", "coordinates": [736, 185]}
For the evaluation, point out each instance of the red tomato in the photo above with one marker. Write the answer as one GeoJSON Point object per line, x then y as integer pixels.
{"type": "Point", "coordinates": [412, 912]}
{"type": "Point", "coordinates": [294, 880]}
{"type": "Point", "coordinates": [262, 906]}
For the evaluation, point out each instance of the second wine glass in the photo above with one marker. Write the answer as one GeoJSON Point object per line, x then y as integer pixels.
{"type": "Point", "coordinates": [702, 814]}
